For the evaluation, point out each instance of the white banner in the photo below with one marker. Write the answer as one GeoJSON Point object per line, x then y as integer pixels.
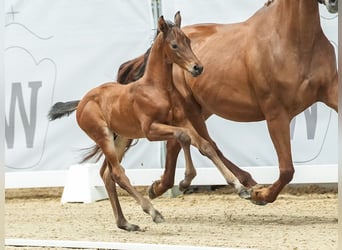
{"type": "Point", "coordinates": [57, 50]}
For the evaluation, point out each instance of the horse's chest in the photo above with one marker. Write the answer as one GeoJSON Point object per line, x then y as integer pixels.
{"type": "Point", "coordinates": [171, 112]}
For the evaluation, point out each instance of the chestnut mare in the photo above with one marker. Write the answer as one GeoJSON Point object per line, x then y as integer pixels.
{"type": "Point", "coordinates": [151, 108]}
{"type": "Point", "coordinates": [270, 67]}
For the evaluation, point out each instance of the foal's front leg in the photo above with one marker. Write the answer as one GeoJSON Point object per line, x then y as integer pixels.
{"type": "Point", "coordinates": [172, 134]}
{"type": "Point", "coordinates": [188, 135]}
{"type": "Point", "coordinates": [173, 147]}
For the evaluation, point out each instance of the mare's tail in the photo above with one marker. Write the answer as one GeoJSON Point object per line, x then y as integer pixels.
{"type": "Point", "coordinates": [61, 109]}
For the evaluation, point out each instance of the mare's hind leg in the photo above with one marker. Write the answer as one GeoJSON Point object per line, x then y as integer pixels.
{"type": "Point", "coordinates": [110, 186]}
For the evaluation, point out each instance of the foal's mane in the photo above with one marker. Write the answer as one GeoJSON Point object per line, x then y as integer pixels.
{"type": "Point", "coordinates": [128, 73]}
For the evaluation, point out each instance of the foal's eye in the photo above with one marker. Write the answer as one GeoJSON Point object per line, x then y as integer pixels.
{"type": "Point", "coordinates": [174, 46]}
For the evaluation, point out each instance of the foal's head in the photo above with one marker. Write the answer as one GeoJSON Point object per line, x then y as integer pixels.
{"type": "Point", "coordinates": [177, 46]}
{"type": "Point", "coordinates": [332, 5]}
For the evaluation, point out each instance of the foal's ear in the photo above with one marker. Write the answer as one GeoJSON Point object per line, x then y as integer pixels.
{"type": "Point", "coordinates": [178, 19]}
{"type": "Point", "coordinates": [162, 25]}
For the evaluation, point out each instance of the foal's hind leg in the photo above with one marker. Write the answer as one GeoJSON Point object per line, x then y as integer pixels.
{"type": "Point", "coordinates": [118, 174]}
{"type": "Point", "coordinates": [110, 186]}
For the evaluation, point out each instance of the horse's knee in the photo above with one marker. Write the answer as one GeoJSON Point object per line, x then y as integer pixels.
{"type": "Point", "coordinates": [183, 137]}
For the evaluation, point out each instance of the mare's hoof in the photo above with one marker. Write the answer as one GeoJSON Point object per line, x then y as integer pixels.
{"type": "Point", "coordinates": [183, 186]}
{"type": "Point", "coordinates": [158, 218]}
{"type": "Point", "coordinates": [259, 203]}
{"type": "Point", "coordinates": [254, 190]}
{"type": "Point", "coordinates": [151, 192]}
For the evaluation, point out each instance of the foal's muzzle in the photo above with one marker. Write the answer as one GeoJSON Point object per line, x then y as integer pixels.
{"type": "Point", "coordinates": [196, 70]}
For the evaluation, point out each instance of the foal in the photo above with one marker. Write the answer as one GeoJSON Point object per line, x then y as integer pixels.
{"type": "Point", "coordinates": [151, 108]}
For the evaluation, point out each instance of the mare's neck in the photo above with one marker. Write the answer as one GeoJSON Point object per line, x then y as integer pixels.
{"type": "Point", "coordinates": [158, 69]}
{"type": "Point", "coordinates": [298, 20]}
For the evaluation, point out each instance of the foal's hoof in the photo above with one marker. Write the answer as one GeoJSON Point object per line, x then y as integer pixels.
{"type": "Point", "coordinates": [247, 194]}
{"type": "Point", "coordinates": [158, 218]}
{"type": "Point", "coordinates": [130, 227]}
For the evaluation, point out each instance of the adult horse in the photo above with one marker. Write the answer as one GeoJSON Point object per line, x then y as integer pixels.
{"type": "Point", "coordinates": [270, 67]}
{"type": "Point", "coordinates": [151, 108]}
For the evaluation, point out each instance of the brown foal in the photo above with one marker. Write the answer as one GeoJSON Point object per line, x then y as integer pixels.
{"type": "Point", "coordinates": [151, 108]}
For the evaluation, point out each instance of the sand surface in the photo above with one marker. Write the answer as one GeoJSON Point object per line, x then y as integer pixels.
{"type": "Point", "coordinates": [304, 218]}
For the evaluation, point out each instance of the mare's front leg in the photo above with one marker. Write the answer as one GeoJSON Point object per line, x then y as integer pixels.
{"type": "Point", "coordinates": [172, 150]}
{"type": "Point", "coordinates": [166, 181]}
{"type": "Point", "coordinates": [278, 123]}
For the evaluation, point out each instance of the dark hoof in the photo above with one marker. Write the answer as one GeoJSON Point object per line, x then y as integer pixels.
{"type": "Point", "coordinates": [151, 192]}
{"type": "Point", "coordinates": [130, 227]}
{"type": "Point", "coordinates": [158, 218]}
{"type": "Point", "coordinates": [259, 203]}
{"type": "Point", "coordinates": [245, 194]}
{"type": "Point", "coordinates": [183, 186]}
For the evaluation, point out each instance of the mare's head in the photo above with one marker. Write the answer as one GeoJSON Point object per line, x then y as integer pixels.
{"type": "Point", "coordinates": [177, 46]}
{"type": "Point", "coordinates": [332, 5]}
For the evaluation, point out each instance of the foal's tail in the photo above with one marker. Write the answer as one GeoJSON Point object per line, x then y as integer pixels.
{"type": "Point", "coordinates": [61, 109]}
{"type": "Point", "coordinates": [95, 153]}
